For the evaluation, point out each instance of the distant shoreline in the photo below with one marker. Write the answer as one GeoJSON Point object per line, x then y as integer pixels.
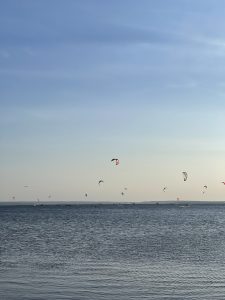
{"type": "Point", "coordinates": [79, 203]}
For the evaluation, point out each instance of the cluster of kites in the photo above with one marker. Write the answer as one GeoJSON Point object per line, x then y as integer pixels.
{"type": "Point", "coordinates": [100, 182]}
{"type": "Point", "coordinates": [116, 162]}
{"type": "Point", "coordinates": [184, 174]}
{"type": "Point", "coordinates": [185, 177]}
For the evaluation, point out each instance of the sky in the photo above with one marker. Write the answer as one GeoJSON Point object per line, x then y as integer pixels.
{"type": "Point", "coordinates": [84, 81]}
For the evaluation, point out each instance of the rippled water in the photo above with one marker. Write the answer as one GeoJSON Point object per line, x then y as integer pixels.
{"type": "Point", "coordinates": [112, 252]}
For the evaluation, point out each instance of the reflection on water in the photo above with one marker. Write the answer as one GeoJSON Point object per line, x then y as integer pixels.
{"type": "Point", "coordinates": [112, 252]}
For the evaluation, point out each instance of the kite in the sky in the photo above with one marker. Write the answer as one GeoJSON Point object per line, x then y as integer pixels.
{"type": "Point", "coordinates": [85, 194]}
{"type": "Point", "coordinates": [223, 182]}
{"type": "Point", "coordinates": [164, 189]}
{"type": "Point", "coordinates": [185, 176]}
{"type": "Point", "coordinates": [204, 189]}
{"type": "Point", "coordinates": [100, 181]}
{"type": "Point", "coordinates": [122, 193]}
{"type": "Point", "coordinates": [116, 160]}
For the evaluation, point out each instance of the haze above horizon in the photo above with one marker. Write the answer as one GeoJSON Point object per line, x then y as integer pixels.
{"type": "Point", "coordinates": [82, 82]}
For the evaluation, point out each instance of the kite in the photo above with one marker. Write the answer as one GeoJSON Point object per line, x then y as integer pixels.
{"type": "Point", "coordinates": [185, 176]}
{"type": "Point", "coordinates": [204, 189]}
{"type": "Point", "coordinates": [116, 161]}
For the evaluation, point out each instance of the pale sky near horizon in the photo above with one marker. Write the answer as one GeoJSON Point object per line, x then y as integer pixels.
{"type": "Point", "coordinates": [84, 81]}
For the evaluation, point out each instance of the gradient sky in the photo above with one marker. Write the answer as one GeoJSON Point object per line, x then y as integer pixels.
{"type": "Point", "coordinates": [84, 81]}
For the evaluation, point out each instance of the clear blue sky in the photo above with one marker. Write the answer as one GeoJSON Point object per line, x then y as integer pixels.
{"type": "Point", "coordinates": [84, 81]}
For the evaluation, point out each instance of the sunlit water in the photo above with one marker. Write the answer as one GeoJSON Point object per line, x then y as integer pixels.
{"type": "Point", "coordinates": [112, 252]}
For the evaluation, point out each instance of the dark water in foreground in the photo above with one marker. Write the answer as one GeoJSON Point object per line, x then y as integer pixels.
{"type": "Point", "coordinates": [112, 252]}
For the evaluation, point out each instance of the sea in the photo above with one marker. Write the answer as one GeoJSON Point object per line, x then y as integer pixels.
{"type": "Point", "coordinates": [112, 252]}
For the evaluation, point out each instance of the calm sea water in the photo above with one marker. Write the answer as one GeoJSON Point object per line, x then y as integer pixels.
{"type": "Point", "coordinates": [112, 252]}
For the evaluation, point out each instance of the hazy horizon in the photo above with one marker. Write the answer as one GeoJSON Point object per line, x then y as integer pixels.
{"type": "Point", "coordinates": [82, 82]}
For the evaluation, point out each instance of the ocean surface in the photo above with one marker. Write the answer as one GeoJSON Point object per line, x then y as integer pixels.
{"type": "Point", "coordinates": [95, 252]}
